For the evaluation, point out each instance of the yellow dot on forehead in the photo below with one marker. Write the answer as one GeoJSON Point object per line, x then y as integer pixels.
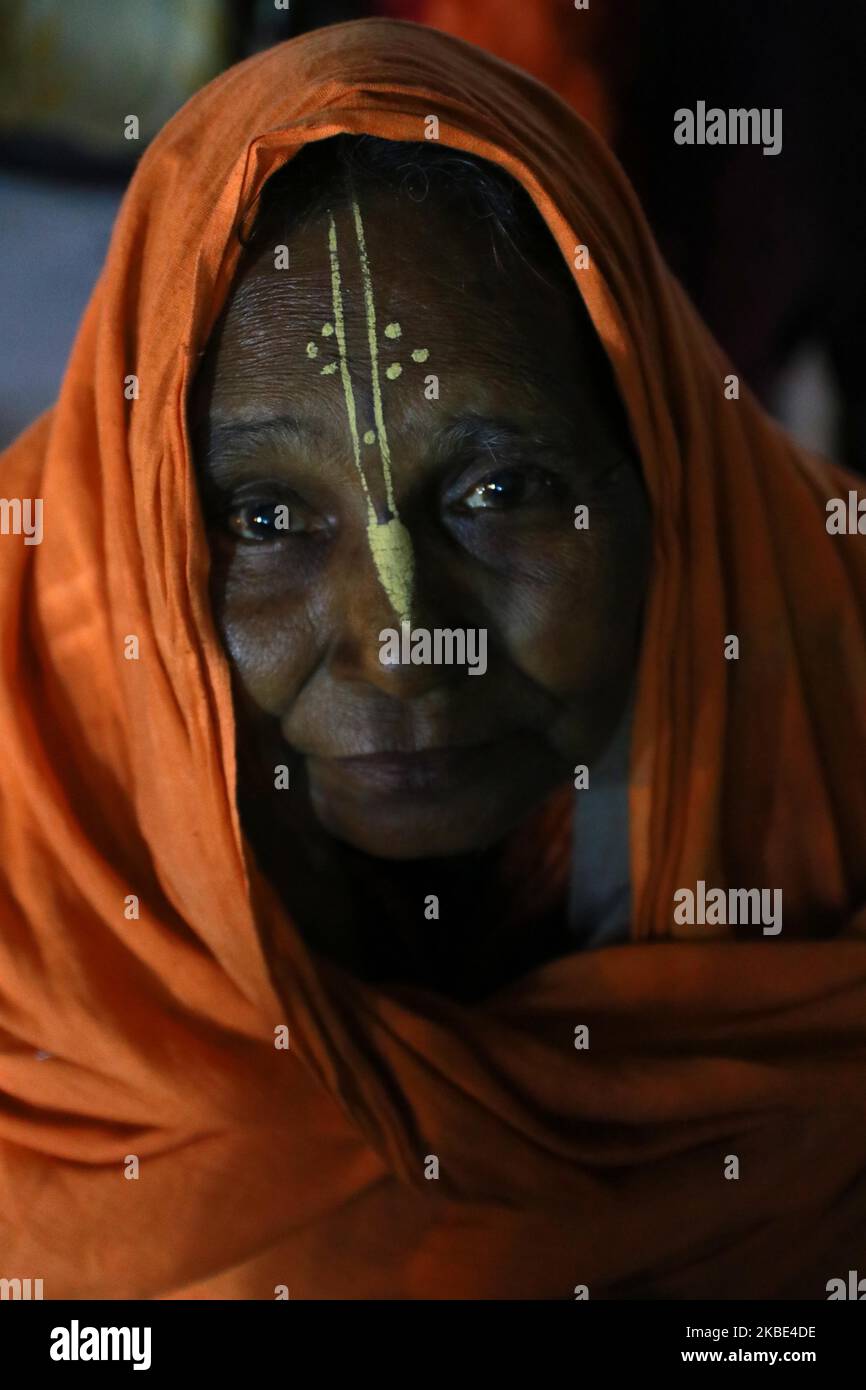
{"type": "Point", "coordinates": [329, 370]}
{"type": "Point", "coordinates": [312, 350]}
{"type": "Point", "coordinates": [420, 354]}
{"type": "Point", "coordinates": [393, 330]}
{"type": "Point", "coordinates": [327, 330]}
{"type": "Point", "coordinates": [394, 371]}
{"type": "Point", "coordinates": [370, 437]}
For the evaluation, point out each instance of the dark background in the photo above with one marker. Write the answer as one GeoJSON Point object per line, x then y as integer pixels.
{"type": "Point", "coordinates": [771, 248]}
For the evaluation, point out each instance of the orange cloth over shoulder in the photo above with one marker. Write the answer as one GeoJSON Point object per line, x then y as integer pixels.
{"type": "Point", "coordinates": [305, 1167]}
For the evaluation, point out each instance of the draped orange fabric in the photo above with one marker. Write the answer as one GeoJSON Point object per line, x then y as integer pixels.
{"type": "Point", "coordinates": [305, 1167]}
{"type": "Point", "coordinates": [563, 50]}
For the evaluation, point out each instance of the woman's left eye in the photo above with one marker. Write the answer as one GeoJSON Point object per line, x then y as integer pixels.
{"type": "Point", "coordinates": [513, 487]}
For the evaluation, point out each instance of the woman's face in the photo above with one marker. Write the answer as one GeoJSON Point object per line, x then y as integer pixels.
{"type": "Point", "coordinates": [493, 435]}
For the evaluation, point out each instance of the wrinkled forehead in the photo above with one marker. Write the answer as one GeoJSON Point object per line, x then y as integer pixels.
{"type": "Point", "coordinates": [377, 276]}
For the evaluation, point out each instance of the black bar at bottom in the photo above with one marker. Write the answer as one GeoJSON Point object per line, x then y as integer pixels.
{"type": "Point", "coordinates": [158, 1338]}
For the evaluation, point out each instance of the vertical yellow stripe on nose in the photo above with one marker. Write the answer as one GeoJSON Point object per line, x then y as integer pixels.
{"type": "Point", "coordinates": [390, 542]}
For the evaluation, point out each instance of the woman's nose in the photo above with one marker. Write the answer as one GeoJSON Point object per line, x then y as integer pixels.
{"type": "Point", "coordinates": [372, 640]}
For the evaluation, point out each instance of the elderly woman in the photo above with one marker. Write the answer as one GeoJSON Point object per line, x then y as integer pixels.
{"type": "Point", "coordinates": [406, 428]}
{"type": "Point", "coordinates": [434, 831]}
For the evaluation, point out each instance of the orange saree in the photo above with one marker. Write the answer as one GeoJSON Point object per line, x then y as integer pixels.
{"type": "Point", "coordinates": [147, 970]}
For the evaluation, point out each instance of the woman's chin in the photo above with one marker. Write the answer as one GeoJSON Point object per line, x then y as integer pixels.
{"type": "Point", "coordinates": [410, 836]}
{"type": "Point", "coordinates": [412, 828]}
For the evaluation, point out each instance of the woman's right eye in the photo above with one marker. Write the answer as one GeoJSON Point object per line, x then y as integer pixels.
{"type": "Point", "coordinates": [258, 522]}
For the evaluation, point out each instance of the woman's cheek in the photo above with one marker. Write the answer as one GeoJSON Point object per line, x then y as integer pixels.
{"type": "Point", "coordinates": [563, 624]}
{"type": "Point", "coordinates": [268, 642]}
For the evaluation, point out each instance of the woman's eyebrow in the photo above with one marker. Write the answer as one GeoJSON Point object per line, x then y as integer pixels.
{"type": "Point", "coordinates": [221, 434]}
{"type": "Point", "coordinates": [217, 443]}
{"type": "Point", "coordinates": [479, 432]}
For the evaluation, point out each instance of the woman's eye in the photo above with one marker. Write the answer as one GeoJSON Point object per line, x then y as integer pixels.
{"type": "Point", "coordinates": [264, 521]}
{"type": "Point", "coordinates": [513, 487]}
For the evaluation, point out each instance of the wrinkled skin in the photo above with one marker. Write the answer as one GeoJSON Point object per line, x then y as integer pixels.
{"type": "Point", "coordinates": [486, 480]}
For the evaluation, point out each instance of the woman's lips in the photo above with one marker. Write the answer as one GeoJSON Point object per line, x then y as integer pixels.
{"type": "Point", "coordinates": [430, 770]}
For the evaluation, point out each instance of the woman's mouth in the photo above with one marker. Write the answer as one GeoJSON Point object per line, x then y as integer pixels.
{"type": "Point", "coordinates": [427, 770]}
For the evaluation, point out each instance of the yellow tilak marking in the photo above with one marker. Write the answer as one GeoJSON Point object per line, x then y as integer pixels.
{"type": "Point", "coordinates": [391, 543]}
{"type": "Point", "coordinates": [374, 356]}
{"type": "Point", "coordinates": [340, 326]}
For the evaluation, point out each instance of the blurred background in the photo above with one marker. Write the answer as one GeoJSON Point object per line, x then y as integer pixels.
{"type": "Point", "coordinates": [772, 249]}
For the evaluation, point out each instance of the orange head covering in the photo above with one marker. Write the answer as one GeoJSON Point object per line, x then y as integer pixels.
{"type": "Point", "coordinates": [142, 951]}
